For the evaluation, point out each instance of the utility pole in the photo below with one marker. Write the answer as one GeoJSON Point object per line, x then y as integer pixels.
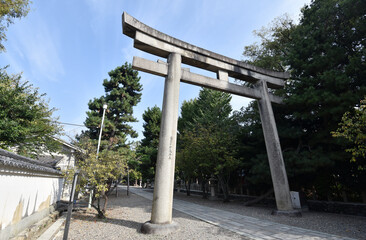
{"type": "Point", "coordinates": [100, 137]}
{"type": "Point", "coordinates": [101, 128]}
{"type": "Point", "coordinates": [71, 204]}
{"type": "Point", "coordinates": [128, 179]}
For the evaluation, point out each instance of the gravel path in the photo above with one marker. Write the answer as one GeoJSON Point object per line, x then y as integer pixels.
{"type": "Point", "coordinates": [126, 213]}
{"type": "Point", "coordinates": [125, 216]}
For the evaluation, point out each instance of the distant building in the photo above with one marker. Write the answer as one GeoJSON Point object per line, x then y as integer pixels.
{"type": "Point", "coordinates": [63, 160]}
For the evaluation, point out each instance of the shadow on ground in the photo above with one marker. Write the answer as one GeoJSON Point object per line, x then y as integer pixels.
{"type": "Point", "coordinates": [91, 217]}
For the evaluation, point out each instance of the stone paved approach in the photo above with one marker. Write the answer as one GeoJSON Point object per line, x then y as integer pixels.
{"type": "Point", "coordinates": [248, 227]}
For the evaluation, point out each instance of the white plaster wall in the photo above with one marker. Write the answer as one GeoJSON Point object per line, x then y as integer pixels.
{"type": "Point", "coordinates": [68, 161]}
{"type": "Point", "coordinates": [22, 195]}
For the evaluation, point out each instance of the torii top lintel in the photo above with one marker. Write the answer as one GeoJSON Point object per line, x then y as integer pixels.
{"type": "Point", "coordinates": [152, 41]}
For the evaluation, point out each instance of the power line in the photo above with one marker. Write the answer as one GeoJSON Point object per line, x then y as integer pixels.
{"type": "Point", "coordinates": [71, 124]}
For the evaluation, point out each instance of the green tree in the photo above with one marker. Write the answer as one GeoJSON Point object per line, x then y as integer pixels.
{"type": "Point", "coordinates": [122, 93]}
{"type": "Point", "coordinates": [152, 121]}
{"type": "Point", "coordinates": [186, 166]}
{"type": "Point", "coordinates": [207, 139]}
{"type": "Point", "coordinates": [10, 10]}
{"type": "Point", "coordinates": [26, 121]}
{"type": "Point", "coordinates": [353, 128]}
{"type": "Point", "coordinates": [208, 151]}
{"type": "Point", "coordinates": [326, 63]}
{"type": "Point", "coordinates": [325, 55]}
{"type": "Point", "coordinates": [98, 173]}
{"type": "Point", "coordinates": [251, 147]}
{"type": "Point", "coordinates": [213, 107]}
{"type": "Point", "coordinates": [148, 149]}
{"type": "Point", "coordinates": [326, 59]}
{"type": "Point", "coordinates": [186, 163]}
{"type": "Point", "coordinates": [270, 53]}
{"type": "Point", "coordinates": [188, 112]}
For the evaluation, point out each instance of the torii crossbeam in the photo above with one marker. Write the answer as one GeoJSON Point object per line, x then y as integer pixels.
{"type": "Point", "coordinates": [176, 52]}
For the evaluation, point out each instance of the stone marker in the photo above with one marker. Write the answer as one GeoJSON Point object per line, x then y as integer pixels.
{"type": "Point", "coordinates": [295, 199]}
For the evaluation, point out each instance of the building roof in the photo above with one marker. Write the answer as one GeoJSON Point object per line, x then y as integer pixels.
{"type": "Point", "coordinates": [49, 159]}
{"type": "Point", "coordinates": [10, 159]}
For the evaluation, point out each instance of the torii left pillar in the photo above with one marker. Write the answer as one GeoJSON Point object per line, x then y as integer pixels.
{"type": "Point", "coordinates": [161, 215]}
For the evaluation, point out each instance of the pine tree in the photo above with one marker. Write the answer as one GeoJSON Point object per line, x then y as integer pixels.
{"type": "Point", "coordinates": [122, 93]}
{"type": "Point", "coordinates": [326, 59]}
{"type": "Point", "coordinates": [325, 54]}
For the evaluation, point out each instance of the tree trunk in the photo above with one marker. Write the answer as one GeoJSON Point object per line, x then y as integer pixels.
{"type": "Point", "coordinates": [105, 203]}
{"type": "Point", "coordinates": [204, 192]}
{"type": "Point", "coordinates": [344, 196]}
{"type": "Point", "coordinates": [363, 195]}
{"type": "Point", "coordinates": [112, 187]}
{"type": "Point", "coordinates": [188, 187]}
{"type": "Point", "coordinates": [224, 188]}
{"type": "Point", "coordinates": [100, 212]}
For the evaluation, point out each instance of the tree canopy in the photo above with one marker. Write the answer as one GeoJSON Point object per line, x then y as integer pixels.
{"type": "Point", "coordinates": [206, 143]}
{"type": "Point", "coordinates": [353, 128]}
{"type": "Point", "coordinates": [270, 52]}
{"type": "Point", "coordinates": [97, 173]}
{"type": "Point", "coordinates": [148, 149]}
{"type": "Point", "coordinates": [325, 54]}
{"type": "Point", "coordinates": [122, 93]}
{"type": "Point", "coordinates": [10, 10]}
{"type": "Point", "coordinates": [26, 121]}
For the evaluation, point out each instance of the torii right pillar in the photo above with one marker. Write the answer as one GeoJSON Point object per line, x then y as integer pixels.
{"type": "Point", "coordinates": [274, 152]}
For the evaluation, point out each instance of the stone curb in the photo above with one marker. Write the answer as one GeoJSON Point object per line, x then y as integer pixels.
{"type": "Point", "coordinates": [51, 232]}
{"type": "Point", "coordinates": [35, 230]}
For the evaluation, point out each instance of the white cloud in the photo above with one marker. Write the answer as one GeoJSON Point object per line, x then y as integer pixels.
{"type": "Point", "coordinates": [40, 48]}
{"type": "Point", "coordinates": [292, 7]}
{"type": "Point", "coordinates": [14, 66]}
{"type": "Point", "coordinates": [238, 102]}
{"type": "Point", "coordinates": [99, 12]}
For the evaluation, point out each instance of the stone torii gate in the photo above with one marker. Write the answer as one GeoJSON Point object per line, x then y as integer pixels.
{"type": "Point", "coordinates": [176, 51]}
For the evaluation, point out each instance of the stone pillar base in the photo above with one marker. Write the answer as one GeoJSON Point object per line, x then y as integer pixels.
{"type": "Point", "coordinates": [151, 228]}
{"type": "Point", "coordinates": [289, 213]}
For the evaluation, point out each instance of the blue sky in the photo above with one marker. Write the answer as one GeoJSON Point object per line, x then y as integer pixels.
{"type": "Point", "coordinates": [66, 48]}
